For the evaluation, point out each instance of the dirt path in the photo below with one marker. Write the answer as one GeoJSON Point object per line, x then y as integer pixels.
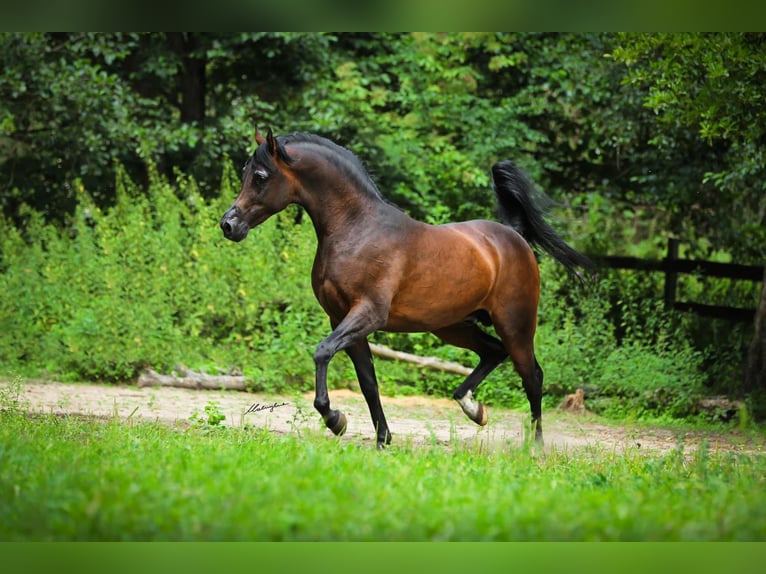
{"type": "Point", "coordinates": [419, 419]}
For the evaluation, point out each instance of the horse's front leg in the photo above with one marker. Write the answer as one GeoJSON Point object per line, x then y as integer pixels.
{"type": "Point", "coordinates": [361, 320]}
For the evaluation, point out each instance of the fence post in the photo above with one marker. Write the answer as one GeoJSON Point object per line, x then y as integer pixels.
{"type": "Point", "coordinates": [671, 277]}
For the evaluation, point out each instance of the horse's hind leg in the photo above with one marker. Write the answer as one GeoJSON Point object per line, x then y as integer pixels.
{"type": "Point", "coordinates": [533, 387]}
{"type": "Point", "coordinates": [365, 371]}
{"type": "Point", "coordinates": [491, 353]}
{"type": "Point", "coordinates": [519, 342]}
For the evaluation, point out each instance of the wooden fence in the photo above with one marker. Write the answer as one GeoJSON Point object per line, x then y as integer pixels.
{"type": "Point", "coordinates": [672, 266]}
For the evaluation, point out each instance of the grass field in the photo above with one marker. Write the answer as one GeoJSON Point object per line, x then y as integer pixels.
{"type": "Point", "coordinates": [70, 478]}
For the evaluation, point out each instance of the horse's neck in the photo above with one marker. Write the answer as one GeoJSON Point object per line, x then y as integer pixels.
{"type": "Point", "coordinates": [337, 210]}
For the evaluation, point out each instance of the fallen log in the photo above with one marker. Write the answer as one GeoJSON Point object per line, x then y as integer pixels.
{"type": "Point", "coordinates": [429, 362]}
{"type": "Point", "coordinates": [187, 379]}
{"type": "Point", "coordinates": [720, 406]}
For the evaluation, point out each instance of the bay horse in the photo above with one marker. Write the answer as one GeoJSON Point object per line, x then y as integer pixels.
{"type": "Point", "coordinates": [376, 268]}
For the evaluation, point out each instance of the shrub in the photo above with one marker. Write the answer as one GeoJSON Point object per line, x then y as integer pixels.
{"type": "Point", "coordinates": [636, 380]}
{"type": "Point", "coordinates": [151, 282]}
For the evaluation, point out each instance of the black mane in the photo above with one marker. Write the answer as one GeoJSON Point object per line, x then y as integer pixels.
{"type": "Point", "coordinates": [346, 161]}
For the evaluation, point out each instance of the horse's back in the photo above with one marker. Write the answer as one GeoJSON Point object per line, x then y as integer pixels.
{"type": "Point", "coordinates": [501, 236]}
{"type": "Point", "coordinates": [508, 249]}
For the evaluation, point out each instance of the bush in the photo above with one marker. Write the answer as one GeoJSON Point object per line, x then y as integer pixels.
{"type": "Point", "coordinates": [611, 337]}
{"type": "Point", "coordinates": [636, 381]}
{"type": "Point", "coordinates": [152, 282]}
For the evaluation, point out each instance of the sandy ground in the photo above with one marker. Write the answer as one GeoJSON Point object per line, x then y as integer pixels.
{"type": "Point", "coordinates": [415, 419]}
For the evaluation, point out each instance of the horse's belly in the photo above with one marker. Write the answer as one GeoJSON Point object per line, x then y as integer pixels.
{"type": "Point", "coordinates": [451, 278]}
{"type": "Point", "coordinates": [434, 308]}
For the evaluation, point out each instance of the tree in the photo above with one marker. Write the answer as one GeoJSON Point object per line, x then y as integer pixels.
{"type": "Point", "coordinates": [706, 94]}
{"type": "Point", "coordinates": [711, 86]}
{"type": "Point", "coordinates": [73, 104]}
{"type": "Point", "coordinates": [755, 372]}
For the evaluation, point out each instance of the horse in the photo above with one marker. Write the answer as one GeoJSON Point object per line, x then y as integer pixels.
{"type": "Point", "coordinates": [376, 268]}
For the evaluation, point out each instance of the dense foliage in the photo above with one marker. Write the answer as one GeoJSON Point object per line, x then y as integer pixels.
{"type": "Point", "coordinates": [640, 136]}
{"type": "Point", "coordinates": [672, 123]}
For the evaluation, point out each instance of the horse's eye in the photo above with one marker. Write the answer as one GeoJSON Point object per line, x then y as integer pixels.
{"type": "Point", "coordinates": [260, 174]}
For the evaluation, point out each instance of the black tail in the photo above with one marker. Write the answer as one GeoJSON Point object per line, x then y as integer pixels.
{"type": "Point", "coordinates": [517, 209]}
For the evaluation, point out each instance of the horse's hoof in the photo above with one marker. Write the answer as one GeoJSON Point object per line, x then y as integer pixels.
{"type": "Point", "coordinates": [384, 441]}
{"type": "Point", "coordinates": [336, 422]}
{"type": "Point", "coordinates": [537, 427]}
{"type": "Point", "coordinates": [481, 415]}
{"type": "Point", "coordinates": [474, 410]}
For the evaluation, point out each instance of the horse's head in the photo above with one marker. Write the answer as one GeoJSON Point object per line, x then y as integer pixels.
{"type": "Point", "coordinates": [266, 188]}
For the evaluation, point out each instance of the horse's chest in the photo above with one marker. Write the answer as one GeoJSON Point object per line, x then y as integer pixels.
{"type": "Point", "coordinates": [334, 296]}
{"type": "Point", "coordinates": [339, 282]}
{"type": "Point", "coordinates": [329, 287]}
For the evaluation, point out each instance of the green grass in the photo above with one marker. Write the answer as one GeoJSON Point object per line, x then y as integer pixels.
{"type": "Point", "coordinates": [84, 479]}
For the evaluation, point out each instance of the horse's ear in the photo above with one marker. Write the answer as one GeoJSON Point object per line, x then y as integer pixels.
{"type": "Point", "coordinates": [259, 139]}
{"type": "Point", "coordinates": [272, 142]}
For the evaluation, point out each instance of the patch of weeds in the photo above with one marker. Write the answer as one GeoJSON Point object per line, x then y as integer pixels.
{"type": "Point", "coordinates": [210, 419]}
{"type": "Point", "coordinates": [433, 439]}
{"type": "Point", "coordinates": [64, 402]}
{"type": "Point", "coordinates": [10, 397]}
{"type": "Point", "coordinates": [302, 417]}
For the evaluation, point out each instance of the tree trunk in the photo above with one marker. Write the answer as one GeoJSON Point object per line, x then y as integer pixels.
{"type": "Point", "coordinates": [755, 374]}
{"type": "Point", "coordinates": [192, 104]}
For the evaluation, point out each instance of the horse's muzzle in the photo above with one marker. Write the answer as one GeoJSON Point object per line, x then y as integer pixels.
{"type": "Point", "coordinates": [232, 225]}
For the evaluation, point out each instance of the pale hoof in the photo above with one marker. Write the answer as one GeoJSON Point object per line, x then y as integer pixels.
{"type": "Point", "coordinates": [474, 410]}
{"type": "Point", "coordinates": [481, 417]}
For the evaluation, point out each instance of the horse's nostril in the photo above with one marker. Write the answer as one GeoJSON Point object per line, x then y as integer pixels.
{"type": "Point", "coordinates": [226, 226]}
